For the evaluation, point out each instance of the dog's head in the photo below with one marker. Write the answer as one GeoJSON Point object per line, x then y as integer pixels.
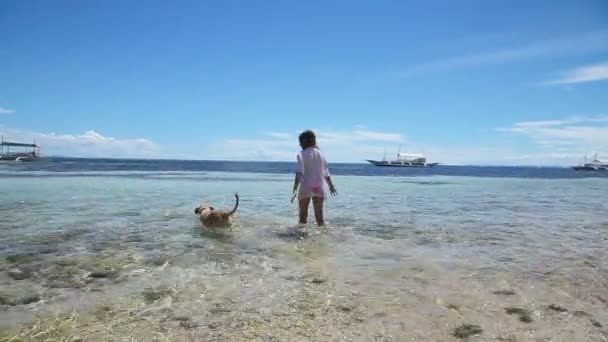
{"type": "Point", "coordinates": [202, 208]}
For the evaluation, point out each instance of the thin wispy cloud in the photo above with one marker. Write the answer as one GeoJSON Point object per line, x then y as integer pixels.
{"type": "Point", "coordinates": [339, 145]}
{"type": "Point", "coordinates": [87, 144]}
{"type": "Point", "coordinates": [379, 136]}
{"type": "Point", "coordinates": [572, 136]}
{"type": "Point", "coordinates": [562, 46]}
{"type": "Point", "coordinates": [529, 125]}
{"type": "Point", "coordinates": [358, 135]}
{"type": "Point", "coordinates": [4, 110]}
{"type": "Point", "coordinates": [588, 73]}
{"type": "Point", "coordinates": [279, 135]}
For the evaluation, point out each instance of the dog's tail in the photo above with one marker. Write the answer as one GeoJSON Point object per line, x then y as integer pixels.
{"type": "Point", "coordinates": [236, 205]}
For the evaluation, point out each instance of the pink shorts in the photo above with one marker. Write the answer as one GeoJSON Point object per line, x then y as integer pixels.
{"type": "Point", "coordinates": [311, 191]}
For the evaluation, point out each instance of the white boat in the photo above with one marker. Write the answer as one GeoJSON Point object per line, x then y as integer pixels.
{"type": "Point", "coordinates": [21, 156]}
{"type": "Point", "coordinates": [594, 165]}
{"type": "Point", "coordinates": [404, 160]}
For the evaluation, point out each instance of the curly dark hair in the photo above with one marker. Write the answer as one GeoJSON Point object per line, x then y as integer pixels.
{"type": "Point", "coordinates": [307, 139]}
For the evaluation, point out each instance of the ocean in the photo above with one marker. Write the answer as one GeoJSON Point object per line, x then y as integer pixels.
{"type": "Point", "coordinates": [110, 250]}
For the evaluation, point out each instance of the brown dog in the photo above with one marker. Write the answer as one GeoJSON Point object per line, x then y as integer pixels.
{"type": "Point", "coordinates": [212, 218]}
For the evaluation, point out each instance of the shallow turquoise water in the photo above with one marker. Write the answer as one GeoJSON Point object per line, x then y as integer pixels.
{"type": "Point", "coordinates": [402, 246]}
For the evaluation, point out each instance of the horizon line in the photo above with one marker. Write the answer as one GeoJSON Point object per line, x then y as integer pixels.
{"type": "Point", "coordinates": [290, 162]}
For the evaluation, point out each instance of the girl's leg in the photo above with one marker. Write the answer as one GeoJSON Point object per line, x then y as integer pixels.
{"type": "Point", "coordinates": [304, 202]}
{"type": "Point", "coordinates": [317, 203]}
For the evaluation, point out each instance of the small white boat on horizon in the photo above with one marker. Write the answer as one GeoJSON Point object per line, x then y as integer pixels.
{"type": "Point", "coordinates": [594, 165]}
{"type": "Point", "coordinates": [403, 160]}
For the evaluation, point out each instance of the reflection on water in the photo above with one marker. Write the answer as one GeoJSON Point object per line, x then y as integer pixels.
{"type": "Point", "coordinates": [425, 259]}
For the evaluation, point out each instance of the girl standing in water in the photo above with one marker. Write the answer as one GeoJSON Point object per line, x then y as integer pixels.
{"type": "Point", "coordinates": [311, 171]}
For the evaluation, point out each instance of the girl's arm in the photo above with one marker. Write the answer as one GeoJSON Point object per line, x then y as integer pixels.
{"type": "Point", "coordinates": [296, 182]}
{"type": "Point", "coordinates": [332, 188]}
{"type": "Point", "coordinates": [299, 173]}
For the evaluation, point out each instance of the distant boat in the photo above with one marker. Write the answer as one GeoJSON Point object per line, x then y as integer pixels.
{"type": "Point", "coordinates": [31, 152]}
{"type": "Point", "coordinates": [594, 165]}
{"type": "Point", "coordinates": [404, 160]}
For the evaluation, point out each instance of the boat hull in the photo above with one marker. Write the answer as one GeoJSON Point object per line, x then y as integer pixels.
{"type": "Point", "coordinates": [398, 164]}
{"type": "Point", "coordinates": [590, 168]}
{"type": "Point", "coordinates": [19, 158]}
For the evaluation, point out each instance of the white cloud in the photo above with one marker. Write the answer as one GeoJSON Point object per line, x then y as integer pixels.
{"type": "Point", "coordinates": [359, 144]}
{"type": "Point", "coordinates": [531, 125]}
{"type": "Point", "coordinates": [87, 144]}
{"type": "Point", "coordinates": [6, 110]}
{"type": "Point", "coordinates": [569, 137]}
{"type": "Point", "coordinates": [562, 46]}
{"type": "Point", "coordinates": [279, 135]}
{"type": "Point", "coordinates": [348, 147]}
{"type": "Point", "coordinates": [356, 144]}
{"type": "Point", "coordinates": [554, 142]}
{"type": "Point", "coordinates": [358, 135]}
{"type": "Point", "coordinates": [378, 136]}
{"type": "Point", "coordinates": [589, 73]}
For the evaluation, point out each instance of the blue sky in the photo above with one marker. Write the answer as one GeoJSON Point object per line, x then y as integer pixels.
{"type": "Point", "coordinates": [467, 82]}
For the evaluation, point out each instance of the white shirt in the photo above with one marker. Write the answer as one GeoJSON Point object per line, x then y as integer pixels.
{"type": "Point", "coordinates": [313, 167]}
